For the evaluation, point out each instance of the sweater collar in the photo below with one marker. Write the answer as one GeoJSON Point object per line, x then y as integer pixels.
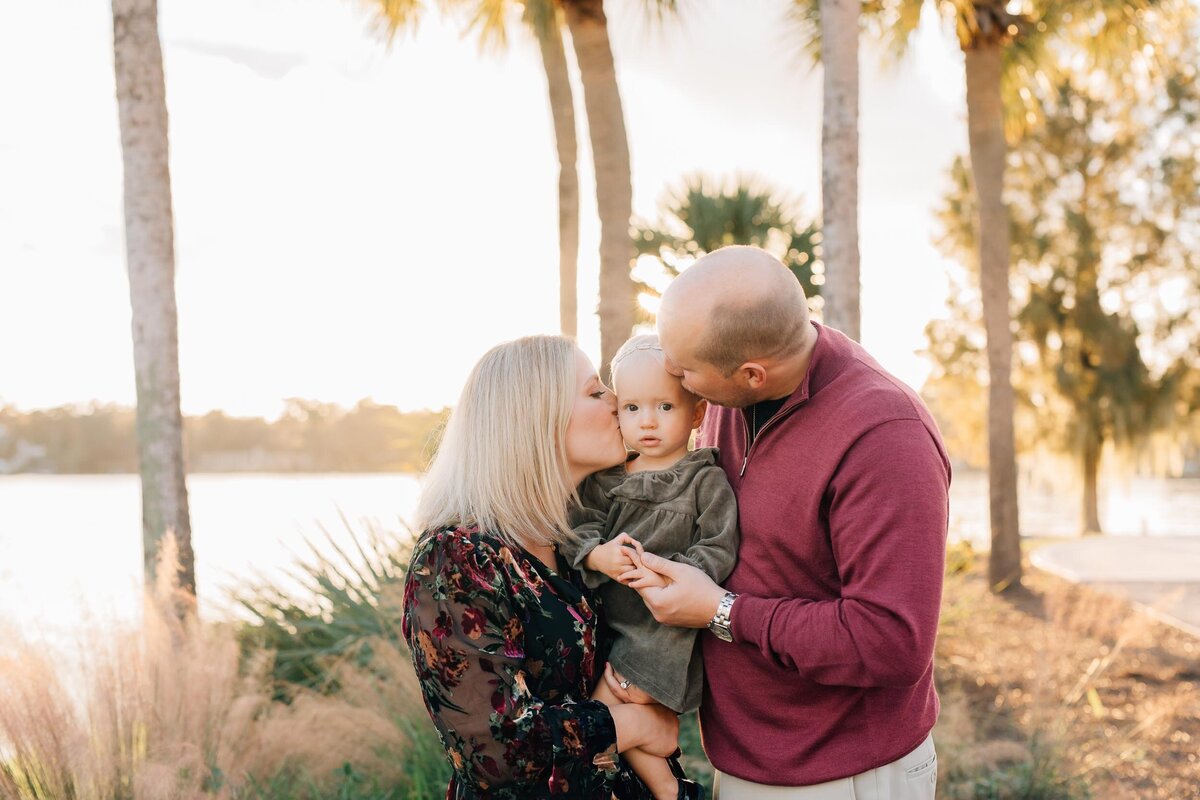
{"type": "Point", "coordinates": [828, 357]}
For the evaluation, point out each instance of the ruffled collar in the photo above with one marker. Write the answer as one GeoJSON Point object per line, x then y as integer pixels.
{"type": "Point", "coordinates": [659, 485]}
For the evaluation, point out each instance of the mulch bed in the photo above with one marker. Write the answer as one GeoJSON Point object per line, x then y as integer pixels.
{"type": "Point", "coordinates": [1072, 688]}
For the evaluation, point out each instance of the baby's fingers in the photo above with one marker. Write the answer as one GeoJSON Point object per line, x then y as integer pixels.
{"type": "Point", "coordinates": [628, 542]}
{"type": "Point", "coordinates": [632, 575]}
{"type": "Point", "coordinates": [647, 581]}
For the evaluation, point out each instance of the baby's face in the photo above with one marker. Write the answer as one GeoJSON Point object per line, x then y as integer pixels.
{"type": "Point", "coordinates": [655, 413]}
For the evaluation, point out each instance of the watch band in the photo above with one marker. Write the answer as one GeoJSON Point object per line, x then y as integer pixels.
{"type": "Point", "coordinates": [720, 623]}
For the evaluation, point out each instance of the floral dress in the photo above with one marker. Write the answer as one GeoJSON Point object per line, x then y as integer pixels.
{"type": "Point", "coordinates": [507, 652]}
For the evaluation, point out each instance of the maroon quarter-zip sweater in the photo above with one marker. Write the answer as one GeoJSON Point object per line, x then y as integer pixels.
{"type": "Point", "coordinates": [843, 506]}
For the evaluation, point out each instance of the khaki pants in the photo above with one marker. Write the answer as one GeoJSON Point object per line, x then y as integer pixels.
{"type": "Point", "coordinates": [910, 777]}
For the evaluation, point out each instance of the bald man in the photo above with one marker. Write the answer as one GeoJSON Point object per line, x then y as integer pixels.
{"type": "Point", "coordinates": [819, 666]}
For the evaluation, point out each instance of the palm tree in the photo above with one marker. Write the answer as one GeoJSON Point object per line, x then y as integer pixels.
{"type": "Point", "coordinates": [544, 17]}
{"type": "Point", "coordinates": [701, 216]}
{"type": "Point", "coordinates": [1007, 47]}
{"type": "Point", "coordinates": [545, 20]}
{"type": "Point", "coordinates": [150, 256]}
{"type": "Point", "coordinates": [610, 156]}
{"type": "Point", "coordinates": [832, 27]}
{"type": "Point", "coordinates": [983, 49]}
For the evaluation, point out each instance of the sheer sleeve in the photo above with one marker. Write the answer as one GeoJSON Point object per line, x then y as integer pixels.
{"type": "Point", "coordinates": [462, 619]}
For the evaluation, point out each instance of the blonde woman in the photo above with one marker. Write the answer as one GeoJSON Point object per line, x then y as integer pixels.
{"type": "Point", "coordinates": [505, 636]}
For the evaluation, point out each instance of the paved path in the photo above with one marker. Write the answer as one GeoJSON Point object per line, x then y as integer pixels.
{"type": "Point", "coordinates": [1159, 574]}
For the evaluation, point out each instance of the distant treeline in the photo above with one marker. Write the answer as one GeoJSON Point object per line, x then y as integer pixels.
{"type": "Point", "coordinates": [309, 437]}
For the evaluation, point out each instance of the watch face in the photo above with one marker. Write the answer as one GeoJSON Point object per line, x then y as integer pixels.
{"type": "Point", "coordinates": [722, 633]}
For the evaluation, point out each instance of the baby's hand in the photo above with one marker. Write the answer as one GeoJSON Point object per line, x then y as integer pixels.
{"type": "Point", "coordinates": [641, 576]}
{"type": "Point", "coordinates": [613, 557]}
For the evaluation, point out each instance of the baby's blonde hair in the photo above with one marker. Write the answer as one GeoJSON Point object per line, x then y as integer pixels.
{"type": "Point", "coordinates": [643, 343]}
{"type": "Point", "coordinates": [502, 463]}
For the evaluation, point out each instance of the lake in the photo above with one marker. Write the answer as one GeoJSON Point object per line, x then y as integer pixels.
{"type": "Point", "coordinates": [70, 545]}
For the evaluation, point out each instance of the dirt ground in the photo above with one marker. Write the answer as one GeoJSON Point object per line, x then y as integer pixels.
{"type": "Point", "coordinates": [1057, 691]}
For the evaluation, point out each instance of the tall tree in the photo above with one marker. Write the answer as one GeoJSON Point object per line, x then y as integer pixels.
{"type": "Point", "coordinates": [1105, 200]}
{"type": "Point", "coordinates": [490, 20]}
{"type": "Point", "coordinates": [983, 50]}
{"type": "Point", "coordinates": [702, 215]}
{"type": "Point", "coordinates": [150, 256]}
{"type": "Point", "coordinates": [835, 27]}
{"type": "Point", "coordinates": [1008, 47]}
{"type": "Point", "coordinates": [588, 25]}
{"type": "Point", "coordinates": [544, 18]}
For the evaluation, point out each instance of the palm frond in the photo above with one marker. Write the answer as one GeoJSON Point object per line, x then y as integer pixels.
{"type": "Point", "coordinates": [659, 12]}
{"type": "Point", "coordinates": [342, 607]}
{"type": "Point", "coordinates": [488, 20]}
{"type": "Point", "coordinates": [893, 22]}
{"type": "Point", "coordinates": [390, 17]}
{"type": "Point", "coordinates": [804, 18]}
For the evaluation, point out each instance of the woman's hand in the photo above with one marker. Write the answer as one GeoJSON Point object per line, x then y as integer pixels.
{"type": "Point", "coordinates": [615, 557]}
{"type": "Point", "coordinates": [623, 690]}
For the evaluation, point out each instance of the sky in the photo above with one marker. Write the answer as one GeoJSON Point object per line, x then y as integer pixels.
{"type": "Point", "coordinates": [355, 220]}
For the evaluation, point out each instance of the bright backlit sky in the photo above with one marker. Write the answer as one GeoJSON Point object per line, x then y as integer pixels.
{"type": "Point", "coordinates": [355, 221]}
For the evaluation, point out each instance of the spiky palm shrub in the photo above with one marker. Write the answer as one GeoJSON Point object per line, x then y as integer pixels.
{"type": "Point", "coordinates": [341, 607]}
{"type": "Point", "coordinates": [346, 624]}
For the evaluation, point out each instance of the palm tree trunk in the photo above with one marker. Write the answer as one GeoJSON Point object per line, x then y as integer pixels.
{"type": "Point", "coordinates": [610, 154]}
{"type": "Point", "coordinates": [839, 165]}
{"type": "Point", "coordinates": [150, 255]}
{"type": "Point", "coordinates": [985, 123]}
{"type": "Point", "coordinates": [562, 109]}
{"type": "Point", "coordinates": [1090, 511]}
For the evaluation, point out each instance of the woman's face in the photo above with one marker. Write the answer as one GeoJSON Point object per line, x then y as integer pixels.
{"type": "Point", "coordinates": [593, 436]}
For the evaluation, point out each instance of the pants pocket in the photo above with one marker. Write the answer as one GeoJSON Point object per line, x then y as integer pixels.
{"type": "Point", "coordinates": [921, 770]}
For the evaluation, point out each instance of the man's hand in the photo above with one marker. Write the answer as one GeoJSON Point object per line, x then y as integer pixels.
{"type": "Point", "coordinates": [614, 558]}
{"type": "Point", "coordinates": [676, 594]}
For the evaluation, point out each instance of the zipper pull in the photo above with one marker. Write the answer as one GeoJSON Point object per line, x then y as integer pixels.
{"type": "Point", "coordinates": [744, 460]}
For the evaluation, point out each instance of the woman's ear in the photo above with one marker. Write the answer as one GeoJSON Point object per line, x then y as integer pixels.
{"type": "Point", "coordinates": [698, 413]}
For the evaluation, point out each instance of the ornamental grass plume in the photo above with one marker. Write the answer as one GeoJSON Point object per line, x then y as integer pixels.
{"type": "Point", "coordinates": [172, 710]}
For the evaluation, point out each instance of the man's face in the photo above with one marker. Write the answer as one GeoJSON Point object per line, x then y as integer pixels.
{"type": "Point", "coordinates": [698, 377]}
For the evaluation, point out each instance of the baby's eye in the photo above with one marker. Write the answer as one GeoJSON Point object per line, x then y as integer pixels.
{"type": "Point", "coordinates": [630, 407]}
{"type": "Point", "coordinates": [665, 406]}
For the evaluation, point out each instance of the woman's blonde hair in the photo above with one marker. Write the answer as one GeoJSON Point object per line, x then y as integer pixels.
{"type": "Point", "coordinates": [502, 463]}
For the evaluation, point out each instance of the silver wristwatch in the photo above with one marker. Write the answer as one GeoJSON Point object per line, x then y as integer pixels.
{"type": "Point", "coordinates": [719, 624]}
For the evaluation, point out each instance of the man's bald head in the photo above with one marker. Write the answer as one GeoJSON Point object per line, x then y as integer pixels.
{"type": "Point", "coordinates": [735, 305]}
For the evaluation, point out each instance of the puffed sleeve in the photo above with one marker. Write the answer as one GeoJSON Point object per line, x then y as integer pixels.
{"type": "Point", "coordinates": [462, 621]}
{"type": "Point", "coordinates": [716, 537]}
{"type": "Point", "coordinates": [589, 520]}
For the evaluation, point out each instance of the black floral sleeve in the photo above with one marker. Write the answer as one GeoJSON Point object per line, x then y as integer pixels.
{"type": "Point", "coordinates": [505, 650]}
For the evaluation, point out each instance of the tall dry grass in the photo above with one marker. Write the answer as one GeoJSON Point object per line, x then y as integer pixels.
{"type": "Point", "coordinates": [169, 710]}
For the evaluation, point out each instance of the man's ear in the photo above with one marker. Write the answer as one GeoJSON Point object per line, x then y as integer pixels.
{"type": "Point", "coordinates": [754, 374]}
{"type": "Point", "coordinates": [698, 414]}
